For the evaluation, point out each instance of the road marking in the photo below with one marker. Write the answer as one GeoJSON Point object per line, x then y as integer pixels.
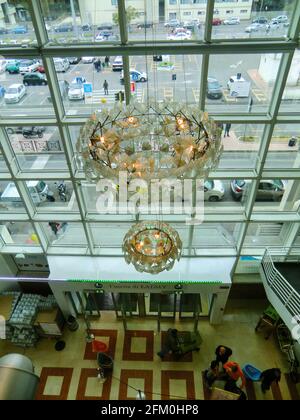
{"type": "Point", "coordinates": [25, 97]}
{"type": "Point", "coordinates": [40, 162]}
{"type": "Point", "coordinates": [260, 95]}
{"type": "Point", "coordinates": [227, 96]}
{"type": "Point", "coordinates": [99, 97]}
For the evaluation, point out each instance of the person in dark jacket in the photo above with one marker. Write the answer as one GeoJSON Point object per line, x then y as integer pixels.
{"type": "Point", "coordinates": [222, 354]}
{"type": "Point", "coordinates": [211, 374]}
{"type": "Point", "coordinates": [227, 130]}
{"type": "Point", "coordinates": [268, 377]}
{"type": "Point", "coordinates": [171, 343]}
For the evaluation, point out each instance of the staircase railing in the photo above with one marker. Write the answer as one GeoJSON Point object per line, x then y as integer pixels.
{"type": "Point", "coordinates": [285, 292]}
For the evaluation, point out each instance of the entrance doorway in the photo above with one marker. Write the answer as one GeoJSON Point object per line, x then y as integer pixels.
{"type": "Point", "coordinates": [128, 306]}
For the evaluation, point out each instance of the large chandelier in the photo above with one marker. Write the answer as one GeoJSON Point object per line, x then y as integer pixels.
{"type": "Point", "coordinates": [149, 141]}
{"type": "Point", "coordinates": [152, 247]}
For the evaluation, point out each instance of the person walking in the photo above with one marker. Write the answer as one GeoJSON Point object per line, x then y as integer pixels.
{"type": "Point", "coordinates": [99, 65]}
{"type": "Point", "coordinates": [54, 227]}
{"type": "Point", "coordinates": [268, 377]}
{"type": "Point", "coordinates": [105, 87]}
{"type": "Point", "coordinates": [227, 130]}
{"type": "Point", "coordinates": [106, 61]}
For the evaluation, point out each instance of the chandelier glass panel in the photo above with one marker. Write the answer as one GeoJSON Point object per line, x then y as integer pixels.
{"type": "Point", "coordinates": [149, 141]}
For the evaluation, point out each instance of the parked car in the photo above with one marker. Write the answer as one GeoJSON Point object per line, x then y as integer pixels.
{"type": "Point", "coordinates": [117, 64]}
{"type": "Point", "coordinates": [173, 23]}
{"type": "Point", "coordinates": [61, 64]}
{"type": "Point", "coordinates": [30, 132]}
{"type": "Point", "coordinates": [217, 22]}
{"type": "Point", "coordinates": [13, 66]}
{"type": "Point", "coordinates": [74, 60]}
{"type": "Point", "coordinates": [34, 79]}
{"type": "Point", "coordinates": [105, 33]}
{"type": "Point", "coordinates": [191, 24]}
{"type": "Point", "coordinates": [3, 31]}
{"type": "Point", "coordinates": [79, 80]}
{"type": "Point", "coordinates": [86, 28]}
{"type": "Point", "coordinates": [19, 30]}
{"type": "Point", "coordinates": [28, 66]}
{"type": "Point", "coordinates": [268, 190]}
{"type": "Point", "coordinates": [254, 27]}
{"type": "Point", "coordinates": [214, 89]}
{"type": "Point", "coordinates": [41, 69]}
{"type": "Point", "coordinates": [232, 21]}
{"type": "Point", "coordinates": [14, 93]}
{"type": "Point", "coordinates": [135, 76]}
{"type": "Point", "coordinates": [87, 60]}
{"type": "Point", "coordinates": [179, 36]}
{"type": "Point", "coordinates": [64, 28]}
{"type": "Point", "coordinates": [145, 25]}
{"type": "Point", "coordinates": [213, 191]}
{"type": "Point", "coordinates": [281, 19]}
{"type": "Point", "coordinates": [103, 26]}
{"type": "Point", "coordinates": [262, 20]}
{"type": "Point", "coordinates": [76, 91]}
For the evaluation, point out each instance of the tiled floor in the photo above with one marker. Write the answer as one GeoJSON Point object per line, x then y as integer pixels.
{"type": "Point", "coordinates": [72, 373]}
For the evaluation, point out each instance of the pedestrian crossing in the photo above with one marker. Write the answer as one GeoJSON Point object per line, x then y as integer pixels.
{"type": "Point", "coordinates": [98, 97]}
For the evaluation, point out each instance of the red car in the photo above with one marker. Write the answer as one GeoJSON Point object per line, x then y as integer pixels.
{"type": "Point", "coordinates": [217, 22]}
{"type": "Point", "coordinates": [41, 69]}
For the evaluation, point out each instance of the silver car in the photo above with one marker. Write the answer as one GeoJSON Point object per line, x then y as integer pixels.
{"type": "Point", "coordinates": [213, 191]}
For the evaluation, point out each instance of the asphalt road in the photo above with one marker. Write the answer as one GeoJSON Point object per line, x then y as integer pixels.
{"type": "Point", "coordinates": [160, 85]}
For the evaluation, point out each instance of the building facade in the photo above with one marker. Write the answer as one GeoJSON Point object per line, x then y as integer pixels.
{"type": "Point", "coordinates": [7, 13]}
{"type": "Point", "coordinates": [163, 10]}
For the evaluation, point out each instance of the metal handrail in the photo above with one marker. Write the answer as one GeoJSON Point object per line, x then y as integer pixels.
{"type": "Point", "coordinates": [283, 289]}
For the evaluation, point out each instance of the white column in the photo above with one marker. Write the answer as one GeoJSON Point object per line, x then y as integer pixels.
{"type": "Point", "coordinates": [218, 306]}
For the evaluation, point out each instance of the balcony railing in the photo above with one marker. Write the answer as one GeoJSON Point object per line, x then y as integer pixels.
{"type": "Point", "coordinates": [285, 292]}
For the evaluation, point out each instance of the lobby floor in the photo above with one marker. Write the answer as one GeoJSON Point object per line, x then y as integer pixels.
{"type": "Point", "coordinates": [71, 374]}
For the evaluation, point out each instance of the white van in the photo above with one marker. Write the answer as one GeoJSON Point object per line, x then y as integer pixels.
{"type": "Point", "coordinates": [61, 64]}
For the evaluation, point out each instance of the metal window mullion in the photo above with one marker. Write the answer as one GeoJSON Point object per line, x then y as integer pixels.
{"type": "Point", "coordinates": [25, 196]}
{"type": "Point", "coordinates": [123, 21]}
{"type": "Point", "coordinates": [280, 83]}
{"type": "Point", "coordinates": [53, 87]}
{"type": "Point", "coordinates": [203, 81]}
{"type": "Point", "coordinates": [126, 70]}
{"type": "Point", "coordinates": [292, 236]}
{"type": "Point", "coordinates": [69, 152]}
{"type": "Point", "coordinates": [162, 48]}
{"type": "Point", "coordinates": [42, 237]}
{"type": "Point", "coordinates": [208, 20]}
{"type": "Point", "coordinates": [88, 236]}
{"type": "Point", "coordinates": [8, 154]}
{"type": "Point", "coordinates": [36, 13]}
{"type": "Point", "coordinates": [294, 28]}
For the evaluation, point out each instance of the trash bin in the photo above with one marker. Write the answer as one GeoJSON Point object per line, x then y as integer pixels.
{"type": "Point", "coordinates": [72, 323]}
{"type": "Point", "coordinates": [292, 142]}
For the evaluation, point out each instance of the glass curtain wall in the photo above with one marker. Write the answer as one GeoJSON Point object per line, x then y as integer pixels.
{"type": "Point", "coordinates": [235, 60]}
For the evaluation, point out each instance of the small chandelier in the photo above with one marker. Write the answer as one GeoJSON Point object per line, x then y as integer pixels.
{"type": "Point", "coordinates": [149, 141]}
{"type": "Point", "coordinates": [152, 247]}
